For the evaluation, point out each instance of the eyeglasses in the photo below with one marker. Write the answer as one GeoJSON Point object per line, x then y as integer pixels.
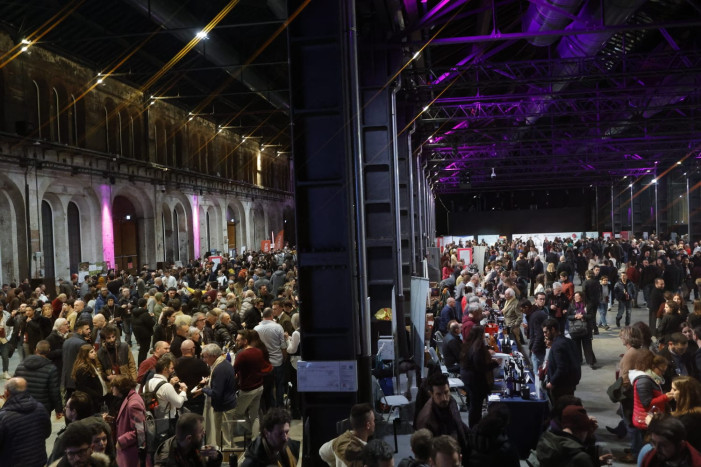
{"type": "Point", "coordinates": [77, 453]}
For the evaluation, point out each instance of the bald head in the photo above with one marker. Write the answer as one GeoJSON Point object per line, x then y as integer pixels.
{"type": "Point", "coordinates": [187, 348]}
{"type": "Point", "coordinates": [98, 320]}
{"type": "Point", "coordinates": [15, 386]}
{"type": "Point", "coordinates": [161, 347]}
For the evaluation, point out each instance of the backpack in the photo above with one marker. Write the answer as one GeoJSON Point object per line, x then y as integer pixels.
{"type": "Point", "coordinates": [150, 398]}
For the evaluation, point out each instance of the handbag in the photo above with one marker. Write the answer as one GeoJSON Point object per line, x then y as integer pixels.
{"type": "Point", "coordinates": [616, 392]}
{"type": "Point", "coordinates": [578, 328]}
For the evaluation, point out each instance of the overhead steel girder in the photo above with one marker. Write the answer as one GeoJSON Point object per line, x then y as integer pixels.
{"type": "Point", "coordinates": [487, 75]}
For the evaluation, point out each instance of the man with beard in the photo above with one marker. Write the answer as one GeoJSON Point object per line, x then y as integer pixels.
{"type": "Point", "coordinates": [114, 356]}
{"type": "Point", "coordinates": [440, 414]}
{"type": "Point", "coordinates": [250, 366]}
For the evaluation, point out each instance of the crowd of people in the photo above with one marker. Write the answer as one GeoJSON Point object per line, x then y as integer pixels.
{"type": "Point", "coordinates": [217, 344]}
{"type": "Point", "coordinates": [659, 371]}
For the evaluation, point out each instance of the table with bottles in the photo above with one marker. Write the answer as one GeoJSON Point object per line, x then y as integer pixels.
{"type": "Point", "coordinates": [514, 386]}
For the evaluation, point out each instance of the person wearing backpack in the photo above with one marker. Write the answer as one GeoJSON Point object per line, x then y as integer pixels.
{"type": "Point", "coordinates": [171, 393]}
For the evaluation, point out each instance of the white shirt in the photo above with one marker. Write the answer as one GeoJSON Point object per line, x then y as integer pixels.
{"type": "Point", "coordinates": [273, 336]}
{"type": "Point", "coordinates": [168, 398]}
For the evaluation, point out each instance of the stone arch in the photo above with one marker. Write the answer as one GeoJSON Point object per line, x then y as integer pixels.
{"type": "Point", "coordinates": [180, 226]}
{"type": "Point", "coordinates": [236, 211]}
{"type": "Point", "coordinates": [259, 224]}
{"type": "Point", "coordinates": [89, 210]}
{"type": "Point", "coordinates": [167, 233]}
{"type": "Point", "coordinates": [144, 209]}
{"type": "Point", "coordinates": [59, 241]}
{"type": "Point", "coordinates": [215, 230]}
{"type": "Point", "coordinates": [14, 262]}
{"type": "Point", "coordinates": [186, 231]}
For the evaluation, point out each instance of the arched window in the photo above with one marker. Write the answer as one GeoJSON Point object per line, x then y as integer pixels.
{"type": "Point", "coordinates": [107, 129]}
{"type": "Point", "coordinates": [37, 106]}
{"type": "Point", "coordinates": [74, 247]}
{"type": "Point", "coordinates": [176, 236]}
{"type": "Point", "coordinates": [55, 117]}
{"type": "Point", "coordinates": [47, 238]}
{"type": "Point", "coordinates": [209, 238]}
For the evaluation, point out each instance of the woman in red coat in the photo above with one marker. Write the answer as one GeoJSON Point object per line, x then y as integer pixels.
{"type": "Point", "coordinates": [130, 413]}
{"type": "Point", "coordinates": [648, 397]}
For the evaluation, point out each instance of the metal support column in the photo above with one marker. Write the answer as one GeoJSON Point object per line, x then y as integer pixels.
{"type": "Point", "coordinates": [329, 188]}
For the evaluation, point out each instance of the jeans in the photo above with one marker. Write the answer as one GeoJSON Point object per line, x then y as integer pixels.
{"type": "Point", "coordinates": [603, 307]}
{"type": "Point", "coordinates": [280, 381]}
{"type": "Point", "coordinates": [5, 354]}
{"type": "Point", "coordinates": [536, 361]}
{"type": "Point", "coordinates": [646, 293]}
{"type": "Point", "coordinates": [624, 305]}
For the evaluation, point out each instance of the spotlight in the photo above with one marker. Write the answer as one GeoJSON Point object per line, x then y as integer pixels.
{"type": "Point", "coordinates": [494, 175]}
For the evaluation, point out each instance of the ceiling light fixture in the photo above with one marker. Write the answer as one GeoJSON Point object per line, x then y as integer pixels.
{"type": "Point", "coordinates": [201, 35]}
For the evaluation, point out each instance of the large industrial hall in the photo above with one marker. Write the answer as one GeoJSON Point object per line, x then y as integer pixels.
{"type": "Point", "coordinates": [350, 233]}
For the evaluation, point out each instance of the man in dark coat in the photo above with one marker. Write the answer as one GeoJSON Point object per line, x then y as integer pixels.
{"type": "Point", "coordinates": [564, 371]}
{"type": "Point", "coordinates": [42, 378]}
{"type": "Point", "coordinates": [591, 293]}
{"type": "Point", "coordinates": [451, 347]}
{"type": "Point", "coordinates": [24, 427]}
{"type": "Point", "coordinates": [273, 446]}
{"type": "Point", "coordinates": [655, 300]}
{"type": "Point", "coordinates": [536, 339]}
{"type": "Point", "coordinates": [184, 447]}
{"type": "Point", "coordinates": [81, 335]}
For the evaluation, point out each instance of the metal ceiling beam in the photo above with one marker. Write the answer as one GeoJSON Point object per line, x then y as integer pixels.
{"type": "Point", "coordinates": [499, 36]}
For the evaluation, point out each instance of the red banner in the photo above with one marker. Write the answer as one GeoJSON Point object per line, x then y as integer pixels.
{"type": "Point", "coordinates": [279, 239]}
{"type": "Point", "coordinates": [265, 246]}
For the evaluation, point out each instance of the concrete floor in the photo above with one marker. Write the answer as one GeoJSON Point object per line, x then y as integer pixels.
{"type": "Point", "coordinates": [592, 391]}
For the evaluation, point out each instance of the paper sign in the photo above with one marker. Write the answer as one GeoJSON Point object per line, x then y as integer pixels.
{"type": "Point", "coordinates": [335, 376]}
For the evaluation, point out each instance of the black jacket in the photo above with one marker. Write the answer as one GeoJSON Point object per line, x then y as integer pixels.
{"type": "Point", "coordinates": [257, 455]}
{"type": "Point", "coordinates": [56, 353]}
{"type": "Point", "coordinates": [142, 323]}
{"type": "Point", "coordinates": [24, 427]}
{"type": "Point", "coordinates": [536, 339]}
{"type": "Point", "coordinates": [563, 365]}
{"type": "Point", "coordinates": [42, 381]}
{"type": "Point", "coordinates": [591, 293]}
{"type": "Point", "coordinates": [167, 455]}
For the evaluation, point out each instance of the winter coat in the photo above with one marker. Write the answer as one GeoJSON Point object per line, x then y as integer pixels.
{"type": "Point", "coordinates": [70, 351]}
{"type": "Point", "coordinates": [560, 449]}
{"type": "Point", "coordinates": [125, 361]}
{"type": "Point", "coordinates": [42, 381]}
{"type": "Point", "coordinates": [257, 454]}
{"type": "Point", "coordinates": [693, 457]}
{"type": "Point", "coordinates": [142, 323]}
{"type": "Point", "coordinates": [56, 341]}
{"type": "Point", "coordinates": [24, 427]}
{"type": "Point", "coordinates": [222, 386]}
{"type": "Point", "coordinates": [130, 413]}
{"type": "Point", "coordinates": [646, 394]}
{"type": "Point", "coordinates": [97, 459]}
{"type": "Point", "coordinates": [277, 280]}
{"type": "Point", "coordinates": [563, 363]}
{"type": "Point", "coordinates": [168, 456]}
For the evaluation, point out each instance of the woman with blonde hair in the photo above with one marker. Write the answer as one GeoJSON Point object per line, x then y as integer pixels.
{"type": "Point", "coordinates": [550, 275]}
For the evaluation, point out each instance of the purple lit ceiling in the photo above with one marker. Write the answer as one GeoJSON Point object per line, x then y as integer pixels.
{"type": "Point", "coordinates": [554, 93]}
